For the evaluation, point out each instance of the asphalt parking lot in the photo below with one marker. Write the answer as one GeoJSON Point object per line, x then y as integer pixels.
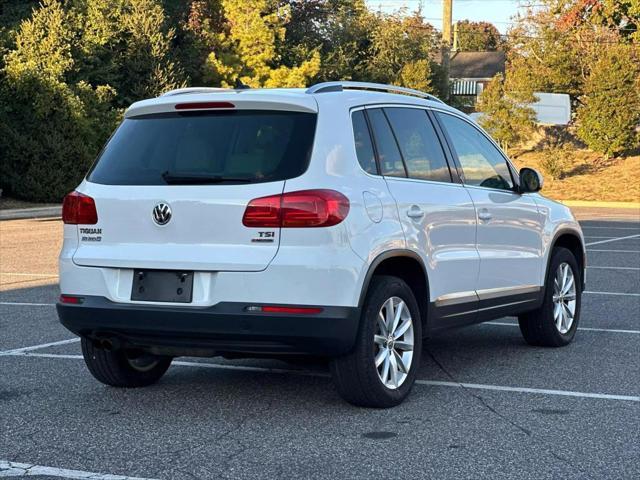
{"type": "Point", "coordinates": [486, 405]}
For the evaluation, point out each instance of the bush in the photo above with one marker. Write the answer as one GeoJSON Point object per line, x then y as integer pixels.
{"type": "Point", "coordinates": [610, 110]}
{"type": "Point", "coordinates": [554, 162]}
{"type": "Point", "coordinates": [48, 137]}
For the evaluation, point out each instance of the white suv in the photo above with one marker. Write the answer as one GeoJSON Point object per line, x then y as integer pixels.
{"type": "Point", "coordinates": [348, 220]}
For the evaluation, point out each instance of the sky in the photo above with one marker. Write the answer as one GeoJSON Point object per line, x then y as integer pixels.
{"type": "Point", "coordinates": [498, 12]}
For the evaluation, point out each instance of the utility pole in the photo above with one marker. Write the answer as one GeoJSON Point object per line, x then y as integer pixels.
{"type": "Point", "coordinates": [447, 20]}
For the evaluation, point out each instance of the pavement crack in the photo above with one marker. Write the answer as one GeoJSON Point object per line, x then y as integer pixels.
{"type": "Point", "coordinates": [506, 419]}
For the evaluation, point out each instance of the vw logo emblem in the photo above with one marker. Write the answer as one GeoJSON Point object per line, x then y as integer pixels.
{"type": "Point", "coordinates": [161, 213]}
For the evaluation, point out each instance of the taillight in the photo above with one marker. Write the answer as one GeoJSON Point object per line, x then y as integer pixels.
{"type": "Point", "coordinates": [79, 209]}
{"type": "Point", "coordinates": [263, 212]}
{"type": "Point", "coordinates": [303, 209]}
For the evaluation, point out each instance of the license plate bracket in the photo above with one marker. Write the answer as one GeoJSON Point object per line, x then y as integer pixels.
{"type": "Point", "coordinates": [162, 286]}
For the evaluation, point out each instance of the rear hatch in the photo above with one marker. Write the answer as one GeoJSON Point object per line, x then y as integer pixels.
{"type": "Point", "coordinates": [172, 184]}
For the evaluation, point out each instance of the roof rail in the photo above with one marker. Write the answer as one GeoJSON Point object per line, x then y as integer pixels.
{"type": "Point", "coordinates": [182, 91]}
{"type": "Point", "coordinates": [347, 85]}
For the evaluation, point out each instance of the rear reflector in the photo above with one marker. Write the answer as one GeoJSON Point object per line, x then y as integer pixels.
{"type": "Point", "coordinates": [79, 209]}
{"type": "Point", "coordinates": [203, 105]}
{"type": "Point", "coordinates": [302, 209]}
{"type": "Point", "coordinates": [275, 309]}
{"type": "Point", "coordinates": [71, 299]}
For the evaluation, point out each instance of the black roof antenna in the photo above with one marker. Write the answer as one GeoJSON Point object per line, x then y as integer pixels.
{"type": "Point", "coordinates": [239, 85]}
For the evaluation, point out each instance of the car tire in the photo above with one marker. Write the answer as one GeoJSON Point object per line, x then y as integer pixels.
{"type": "Point", "coordinates": [117, 368]}
{"type": "Point", "coordinates": [357, 376]}
{"type": "Point", "coordinates": [554, 324]}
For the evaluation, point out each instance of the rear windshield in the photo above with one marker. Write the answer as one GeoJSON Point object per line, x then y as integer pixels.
{"type": "Point", "coordinates": [246, 146]}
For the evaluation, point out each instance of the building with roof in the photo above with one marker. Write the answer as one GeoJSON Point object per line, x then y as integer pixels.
{"type": "Point", "coordinates": [471, 71]}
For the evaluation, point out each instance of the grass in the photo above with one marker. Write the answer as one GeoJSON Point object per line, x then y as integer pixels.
{"type": "Point", "coordinates": [587, 176]}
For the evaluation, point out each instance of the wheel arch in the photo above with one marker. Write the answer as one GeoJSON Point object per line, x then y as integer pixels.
{"type": "Point", "coordinates": [572, 241]}
{"type": "Point", "coordinates": [407, 265]}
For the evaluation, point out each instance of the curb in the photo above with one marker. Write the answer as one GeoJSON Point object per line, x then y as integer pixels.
{"type": "Point", "coordinates": [596, 204]}
{"type": "Point", "coordinates": [37, 212]}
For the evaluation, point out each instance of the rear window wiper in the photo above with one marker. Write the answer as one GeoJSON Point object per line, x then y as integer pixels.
{"type": "Point", "coordinates": [183, 179]}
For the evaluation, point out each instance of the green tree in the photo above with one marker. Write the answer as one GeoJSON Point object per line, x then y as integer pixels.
{"type": "Point", "coordinates": [49, 130]}
{"type": "Point", "coordinates": [148, 68]}
{"type": "Point", "coordinates": [504, 116]}
{"type": "Point", "coordinates": [340, 30]}
{"type": "Point", "coordinates": [402, 52]}
{"type": "Point", "coordinates": [610, 110]}
{"type": "Point", "coordinates": [248, 47]}
{"type": "Point", "coordinates": [542, 58]}
{"type": "Point", "coordinates": [477, 36]}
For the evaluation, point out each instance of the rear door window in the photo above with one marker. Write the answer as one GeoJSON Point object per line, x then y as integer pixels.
{"type": "Point", "coordinates": [248, 146]}
{"type": "Point", "coordinates": [419, 144]}
{"type": "Point", "coordinates": [388, 153]}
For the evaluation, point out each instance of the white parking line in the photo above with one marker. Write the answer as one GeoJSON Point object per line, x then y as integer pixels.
{"type": "Point", "coordinates": [38, 347]}
{"type": "Point", "coordinates": [585, 329]}
{"type": "Point", "coordinates": [13, 469]}
{"type": "Point", "coordinates": [612, 251]}
{"type": "Point", "coordinates": [584, 227]}
{"type": "Point", "coordinates": [598, 236]}
{"type": "Point", "coordinates": [613, 268]}
{"type": "Point", "coordinates": [617, 239]}
{"type": "Point", "coordinates": [541, 391]}
{"type": "Point", "coordinates": [477, 386]}
{"type": "Point", "coordinates": [620, 294]}
{"type": "Point", "coordinates": [28, 304]}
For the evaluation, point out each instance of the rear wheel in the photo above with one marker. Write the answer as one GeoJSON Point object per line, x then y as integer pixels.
{"type": "Point", "coordinates": [381, 369]}
{"type": "Point", "coordinates": [121, 368]}
{"type": "Point", "coordinates": [555, 323]}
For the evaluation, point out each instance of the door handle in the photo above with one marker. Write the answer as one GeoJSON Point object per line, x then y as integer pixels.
{"type": "Point", "coordinates": [415, 212]}
{"type": "Point", "coordinates": [484, 214]}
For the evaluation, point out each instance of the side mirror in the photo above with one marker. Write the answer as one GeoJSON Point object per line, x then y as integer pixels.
{"type": "Point", "coordinates": [530, 180]}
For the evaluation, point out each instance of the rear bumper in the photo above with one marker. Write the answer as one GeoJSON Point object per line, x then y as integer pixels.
{"type": "Point", "coordinates": [222, 328]}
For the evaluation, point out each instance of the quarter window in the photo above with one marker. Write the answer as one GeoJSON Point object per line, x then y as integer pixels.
{"type": "Point", "coordinates": [388, 153]}
{"type": "Point", "coordinates": [364, 147]}
{"type": "Point", "coordinates": [419, 144]}
{"type": "Point", "coordinates": [482, 163]}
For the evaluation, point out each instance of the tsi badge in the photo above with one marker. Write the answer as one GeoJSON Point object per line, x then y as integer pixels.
{"type": "Point", "coordinates": [161, 213]}
{"type": "Point", "coordinates": [264, 237]}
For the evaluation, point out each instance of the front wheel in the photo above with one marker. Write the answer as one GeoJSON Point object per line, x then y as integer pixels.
{"type": "Point", "coordinates": [381, 369]}
{"type": "Point", "coordinates": [120, 368]}
{"type": "Point", "coordinates": [555, 323]}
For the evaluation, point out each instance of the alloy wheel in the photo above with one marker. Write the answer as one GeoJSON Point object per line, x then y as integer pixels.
{"type": "Point", "coordinates": [564, 298]}
{"type": "Point", "coordinates": [394, 339]}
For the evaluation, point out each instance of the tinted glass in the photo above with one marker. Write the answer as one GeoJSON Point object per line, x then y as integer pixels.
{"type": "Point", "coordinates": [481, 161]}
{"type": "Point", "coordinates": [254, 146]}
{"type": "Point", "coordinates": [364, 147]}
{"type": "Point", "coordinates": [389, 155]}
{"type": "Point", "coordinates": [419, 144]}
